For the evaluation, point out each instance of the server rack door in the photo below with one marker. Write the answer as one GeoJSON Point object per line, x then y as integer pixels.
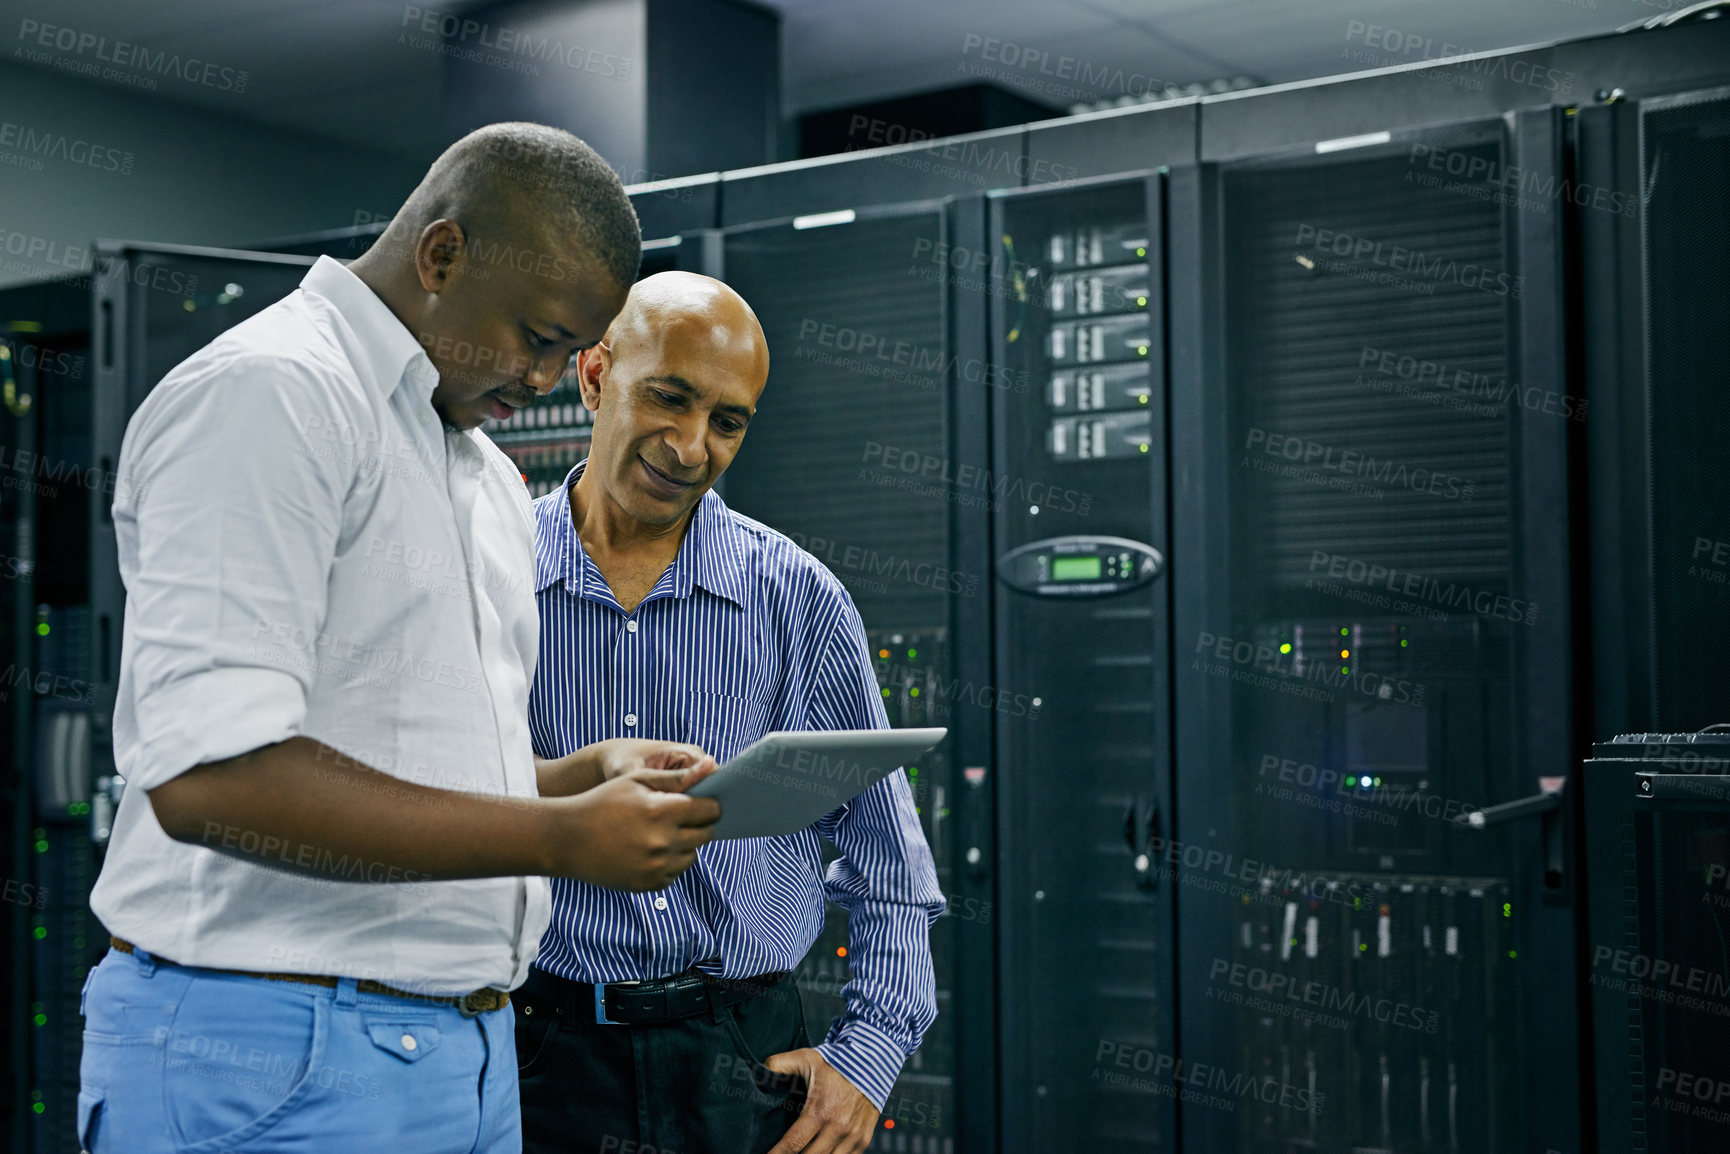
{"type": "Point", "coordinates": [1078, 499]}
{"type": "Point", "coordinates": [1657, 811]}
{"type": "Point", "coordinates": [1656, 247]}
{"type": "Point", "coordinates": [1370, 557]}
{"type": "Point", "coordinates": [854, 453]}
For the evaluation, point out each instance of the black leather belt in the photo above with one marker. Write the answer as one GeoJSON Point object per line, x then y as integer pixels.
{"type": "Point", "coordinates": [643, 1003]}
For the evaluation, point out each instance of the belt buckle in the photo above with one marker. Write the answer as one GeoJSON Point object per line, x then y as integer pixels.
{"type": "Point", "coordinates": [469, 1004]}
{"type": "Point", "coordinates": [601, 1018]}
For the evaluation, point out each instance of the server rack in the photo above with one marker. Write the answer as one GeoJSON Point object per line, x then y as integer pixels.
{"type": "Point", "coordinates": [1081, 634]}
{"type": "Point", "coordinates": [1370, 567]}
{"type": "Point", "coordinates": [1654, 253]}
{"type": "Point", "coordinates": [45, 373]}
{"type": "Point", "coordinates": [853, 453]}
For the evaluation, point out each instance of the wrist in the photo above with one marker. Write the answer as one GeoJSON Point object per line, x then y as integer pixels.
{"type": "Point", "coordinates": [571, 774]}
{"type": "Point", "coordinates": [550, 837]}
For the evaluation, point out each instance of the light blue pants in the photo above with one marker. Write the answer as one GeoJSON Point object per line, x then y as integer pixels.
{"type": "Point", "coordinates": [189, 1061]}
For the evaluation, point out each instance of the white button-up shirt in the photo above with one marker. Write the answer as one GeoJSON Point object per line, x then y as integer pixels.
{"type": "Point", "coordinates": [307, 549]}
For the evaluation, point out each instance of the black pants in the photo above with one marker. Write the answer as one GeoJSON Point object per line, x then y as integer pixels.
{"type": "Point", "coordinates": [690, 1086]}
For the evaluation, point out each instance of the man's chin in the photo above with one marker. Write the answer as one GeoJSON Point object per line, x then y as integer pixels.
{"type": "Point", "coordinates": [462, 418]}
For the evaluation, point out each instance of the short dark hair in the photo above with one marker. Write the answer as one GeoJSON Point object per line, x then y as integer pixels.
{"type": "Point", "coordinates": [508, 179]}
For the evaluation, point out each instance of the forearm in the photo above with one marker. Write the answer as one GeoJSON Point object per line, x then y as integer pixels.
{"type": "Point", "coordinates": [601, 761]}
{"type": "Point", "coordinates": [572, 773]}
{"type": "Point", "coordinates": [890, 999]}
{"type": "Point", "coordinates": [303, 807]}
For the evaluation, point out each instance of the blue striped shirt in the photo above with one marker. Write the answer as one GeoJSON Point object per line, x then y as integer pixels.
{"type": "Point", "coordinates": [745, 633]}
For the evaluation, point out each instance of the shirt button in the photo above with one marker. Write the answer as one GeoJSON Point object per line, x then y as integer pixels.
{"type": "Point", "coordinates": [630, 627]}
{"type": "Point", "coordinates": [660, 903]}
{"type": "Point", "coordinates": [408, 1042]}
{"type": "Point", "coordinates": [631, 719]}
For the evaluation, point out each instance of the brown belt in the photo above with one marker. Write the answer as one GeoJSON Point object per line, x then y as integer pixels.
{"type": "Point", "coordinates": [480, 1002]}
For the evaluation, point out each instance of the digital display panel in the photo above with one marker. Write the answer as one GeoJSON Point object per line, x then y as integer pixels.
{"type": "Point", "coordinates": [1075, 569]}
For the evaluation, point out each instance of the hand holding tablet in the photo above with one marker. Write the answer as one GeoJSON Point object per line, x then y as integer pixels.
{"type": "Point", "coordinates": [784, 781]}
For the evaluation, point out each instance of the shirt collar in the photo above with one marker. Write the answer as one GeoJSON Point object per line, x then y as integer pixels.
{"type": "Point", "coordinates": [712, 555]}
{"type": "Point", "coordinates": [390, 351]}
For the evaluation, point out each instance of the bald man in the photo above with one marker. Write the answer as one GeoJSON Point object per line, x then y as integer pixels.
{"type": "Point", "coordinates": [325, 871]}
{"type": "Point", "coordinates": [666, 1022]}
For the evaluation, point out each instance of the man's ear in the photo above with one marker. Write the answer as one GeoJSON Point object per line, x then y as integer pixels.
{"type": "Point", "coordinates": [593, 365]}
{"type": "Point", "coordinates": [439, 255]}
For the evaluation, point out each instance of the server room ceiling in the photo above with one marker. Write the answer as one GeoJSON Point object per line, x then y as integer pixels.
{"type": "Point", "coordinates": [339, 68]}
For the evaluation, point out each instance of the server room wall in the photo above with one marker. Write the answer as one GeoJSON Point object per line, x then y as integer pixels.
{"type": "Point", "coordinates": [1249, 512]}
{"type": "Point", "coordinates": [166, 173]}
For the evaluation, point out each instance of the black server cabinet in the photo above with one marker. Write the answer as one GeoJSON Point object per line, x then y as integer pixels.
{"type": "Point", "coordinates": [1370, 567]}
{"type": "Point", "coordinates": [1655, 276]}
{"type": "Point", "coordinates": [875, 404]}
{"type": "Point", "coordinates": [1657, 816]}
{"type": "Point", "coordinates": [1081, 641]}
{"type": "Point", "coordinates": [45, 462]}
{"type": "Point", "coordinates": [1655, 289]}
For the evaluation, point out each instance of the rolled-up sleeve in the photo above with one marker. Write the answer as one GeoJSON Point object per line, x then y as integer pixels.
{"type": "Point", "coordinates": [885, 879]}
{"type": "Point", "coordinates": [232, 494]}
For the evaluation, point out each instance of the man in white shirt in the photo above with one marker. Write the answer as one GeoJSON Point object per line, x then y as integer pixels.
{"type": "Point", "coordinates": [329, 862]}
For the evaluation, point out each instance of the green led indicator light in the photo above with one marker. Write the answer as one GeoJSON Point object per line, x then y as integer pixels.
{"type": "Point", "coordinates": [39, 1107]}
{"type": "Point", "coordinates": [1141, 252]}
{"type": "Point", "coordinates": [1378, 781]}
{"type": "Point", "coordinates": [1285, 647]}
{"type": "Point", "coordinates": [1344, 632]}
{"type": "Point", "coordinates": [1141, 350]}
{"type": "Point", "coordinates": [42, 847]}
{"type": "Point", "coordinates": [1144, 448]}
{"type": "Point", "coordinates": [1345, 670]}
{"type": "Point", "coordinates": [1513, 953]}
{"type": "Point", "coordinates": [1507, 909]}
{"type": "Point", "coordinates": [40, 1019]}
{"type": "Point", "coordinates": [1142, 399]}
{"type": "Point", "coordinates": [41, 932]}
{"type": "Point", "coordinates": [1141, 300]}
{"type": "Point", "coordinates": [42, 629]}
{"type": "Point", "coordinates": [912, 654]}
{"type": "Point", "coordinates": [1403, 643]}
{"type": "Point", "coordinates": [1362, 946]}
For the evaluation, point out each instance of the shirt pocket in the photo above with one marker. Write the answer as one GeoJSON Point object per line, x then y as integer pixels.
{"type": "Point", "coordinates": [721, 723]}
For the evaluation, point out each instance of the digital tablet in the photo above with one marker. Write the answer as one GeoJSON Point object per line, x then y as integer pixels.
{"type": "Point", "coordinates": [784, 781]}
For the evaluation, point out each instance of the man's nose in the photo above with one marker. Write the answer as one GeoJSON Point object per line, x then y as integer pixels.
{"type": "Point", "coordinates": [544, 373]}
{"type": "Point", "coordinates": [686, 440]}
